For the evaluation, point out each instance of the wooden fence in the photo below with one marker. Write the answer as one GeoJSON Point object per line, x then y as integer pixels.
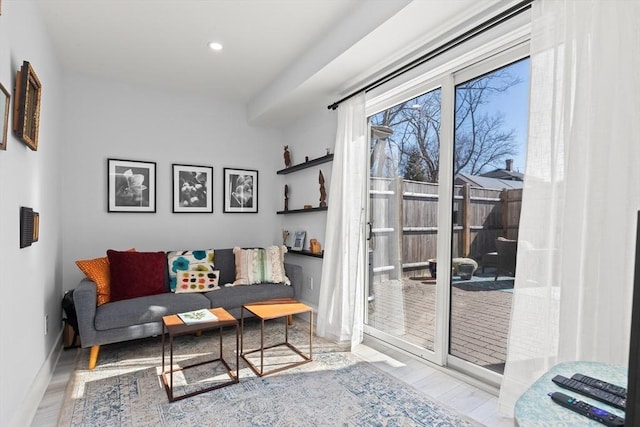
{"type": "Point", "coordinates": [480, 216]}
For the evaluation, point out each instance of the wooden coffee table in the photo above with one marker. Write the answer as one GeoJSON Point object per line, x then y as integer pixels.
{"type": "Point", "coordinates": [174, 326]}
{"type": "Point", "coordinates": [274, 309]}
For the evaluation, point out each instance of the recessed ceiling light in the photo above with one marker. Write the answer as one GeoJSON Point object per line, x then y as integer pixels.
{"type": "Point", "coordinates": [215, 46]}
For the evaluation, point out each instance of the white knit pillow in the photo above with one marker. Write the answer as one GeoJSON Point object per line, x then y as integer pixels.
{"type": "Point", "coordinates": [254, 266]}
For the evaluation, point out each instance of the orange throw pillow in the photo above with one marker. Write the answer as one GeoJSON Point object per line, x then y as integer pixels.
{"type": "Point", "coordinates": [97, 270]}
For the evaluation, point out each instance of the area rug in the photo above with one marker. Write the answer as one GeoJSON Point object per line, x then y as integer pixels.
{"type": "Point", "coordinates": [336, 388]}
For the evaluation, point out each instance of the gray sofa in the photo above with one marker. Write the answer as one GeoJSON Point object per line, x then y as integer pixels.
{"type": "Point", "coordinates": [142, 317]}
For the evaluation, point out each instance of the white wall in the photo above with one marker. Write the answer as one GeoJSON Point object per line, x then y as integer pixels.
{"type": "Point", "coordinates": [108, 119]}
{"type": "Point", "coordinates": [30, 277]}
{"type": "Point", "coordinates": [309, 136]}
{"type": "Point", "coordinates": [86, 120]}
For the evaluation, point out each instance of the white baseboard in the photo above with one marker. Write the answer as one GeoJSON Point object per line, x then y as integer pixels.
{"type": "Point", "coordinates": [27, 410]}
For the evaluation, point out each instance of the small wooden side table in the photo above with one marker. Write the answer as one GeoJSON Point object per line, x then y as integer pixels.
{"type": "Point", "coordinates": [273, 309]}
{"type": "Point", "coordinates": [174, 326]}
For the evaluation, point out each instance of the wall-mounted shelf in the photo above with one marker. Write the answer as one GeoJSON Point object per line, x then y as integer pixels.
{"type": "Point", "coordinates": [310, 163]}
{"type": "Point", "coordinates": [305, 253]}
{"type": "Point", "coordinates": [294, 211]}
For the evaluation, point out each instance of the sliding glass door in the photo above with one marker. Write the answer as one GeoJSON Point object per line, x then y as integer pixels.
{"type": "Point", "coordinates": [446, 176]}
{"type": "Point", "coordinates": [404, 155]}
{"type": "Point", "coordinates": [491, 115]}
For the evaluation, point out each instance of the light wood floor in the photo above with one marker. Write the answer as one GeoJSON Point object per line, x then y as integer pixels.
{"type": "Point", "coordinates": [438, 385]}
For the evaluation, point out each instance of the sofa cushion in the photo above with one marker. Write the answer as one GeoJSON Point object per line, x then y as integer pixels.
{"type": "Point", "coordinates": [255, 266]}
{"type": "Point", "coordinates": [147, 309]}
{"type": "Point", "coordinates": [97, 270]}
{"type": "Point", "coordinates": [197, 281]}
{"type": "Point", "coordinates": [136, 274]}
{"type": "Point", "coordinates": [188, 260]}
{"type": "Point", "coordinates": [230, 297]}
{"type": "Point", "coordinates": [226, 264]}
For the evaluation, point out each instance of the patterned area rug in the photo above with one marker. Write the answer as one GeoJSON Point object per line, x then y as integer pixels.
{"type": "Point", "coordinates": [336, 388]}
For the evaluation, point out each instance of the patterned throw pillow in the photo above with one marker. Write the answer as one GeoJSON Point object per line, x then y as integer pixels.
{"type": "Point", "coordinates": [188, 260]}
{"type": "Point", "coordinates": [97, 270]}
{"type": "Point", "coordinates": [197, 281]}
{"type": "Point", "coordinates": [260, 265]}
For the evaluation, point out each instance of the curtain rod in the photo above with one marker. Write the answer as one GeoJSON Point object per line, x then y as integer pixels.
{"type": "Point", "coordinates": [475, 31]}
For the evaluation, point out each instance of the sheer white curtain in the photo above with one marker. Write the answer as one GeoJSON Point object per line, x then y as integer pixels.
{"type": "Point", "coordinates": [572, 296]}
{"type": "Point", "coordinates": [341, 307]}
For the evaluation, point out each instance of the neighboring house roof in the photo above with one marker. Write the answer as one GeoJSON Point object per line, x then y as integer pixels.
{"type": "Point", "coordinates": [504, 174]}
{"type": "Point", "coordinates": [488, 182]}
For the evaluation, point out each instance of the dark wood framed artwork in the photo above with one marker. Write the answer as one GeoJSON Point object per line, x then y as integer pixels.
{"type": "Point", "coordinates": [4, 119]}
{"type": "Point", "coordinates": [131, 186]}
{"type": "Point", "coordinates": [240, 190]}
{"type": "Point", "coordinates": [192, 189]}
{"type": "Point", "coordinates": [26, 114]}
{"type": "Point", "coordinates": [29, 226]}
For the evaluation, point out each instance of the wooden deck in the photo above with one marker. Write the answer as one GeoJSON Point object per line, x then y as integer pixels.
{"type": "Point", "coordinates": [480, 315]}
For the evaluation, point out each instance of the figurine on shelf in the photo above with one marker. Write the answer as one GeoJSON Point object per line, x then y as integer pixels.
{"type": "Point", "coordinates": [286, 197]}
{"type": "Point", "coordinates": [323, 192]}
{"type": "Point", "coordinates": [287, 156]}
{"type": "Point", "coordinates": [285, 236]}
{"type": "Point", "coordinates": [328, 151]}
{"type": "Point", "coordinates": [314, 246]}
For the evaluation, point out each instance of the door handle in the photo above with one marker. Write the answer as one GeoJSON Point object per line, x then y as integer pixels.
{"type": "Point", "coordinates": [370, 230]}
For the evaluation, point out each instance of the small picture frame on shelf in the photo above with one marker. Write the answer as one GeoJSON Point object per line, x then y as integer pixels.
{"type": "Point", "coordinates": [298, 241]}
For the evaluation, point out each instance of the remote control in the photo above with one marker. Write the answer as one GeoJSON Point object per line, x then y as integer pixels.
{"type": "Point", "coordinates": [582, 408]}
{"type": "Point", "coordinates": [602, 385]}
{"type": "Point", "coordinates": [594, 393]}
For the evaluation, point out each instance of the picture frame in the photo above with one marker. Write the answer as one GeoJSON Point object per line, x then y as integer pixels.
{"type": "Point", "coordinates": [298, 240]}
{"type": "Point", "coordinates": [192, 189]}
{"type": "Point", "coordinates": [131, 186]}
{"type": "Point", "coordinates": [26, 114]}
{"type": "Point", "coordinates": [29, 226]}
{"type": "Point", "coordinates": [240, 190]}
{"type": "Point", "coordinates": [4, 119]}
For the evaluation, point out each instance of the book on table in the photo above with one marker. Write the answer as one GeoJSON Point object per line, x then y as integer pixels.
{"type": "Point", "coordinates": [197, 316]}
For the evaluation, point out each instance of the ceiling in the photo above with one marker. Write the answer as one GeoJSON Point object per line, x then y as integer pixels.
{"type": "Point", "coordinates": [280, 57]}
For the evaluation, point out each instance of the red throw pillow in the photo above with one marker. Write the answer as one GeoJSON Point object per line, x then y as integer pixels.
{"type": "Point", "coordinates": [136, 274]}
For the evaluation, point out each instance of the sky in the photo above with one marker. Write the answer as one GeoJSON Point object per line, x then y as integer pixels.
{"type": "Point", "coordinates": [514, 104]}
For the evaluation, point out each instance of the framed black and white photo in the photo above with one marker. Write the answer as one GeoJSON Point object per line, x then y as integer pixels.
{"type": "Point", "coordinates": [298, 241]}
{"type": "Point", "coordinates": [192, 188]}
{"type": "Point", "coordinates": [240, 190]}
{"type": "Point", "coordinates": [131, 186]}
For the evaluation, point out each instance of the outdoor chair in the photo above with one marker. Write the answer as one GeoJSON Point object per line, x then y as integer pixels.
{"type": "Point", "coordinates": [506, 258]}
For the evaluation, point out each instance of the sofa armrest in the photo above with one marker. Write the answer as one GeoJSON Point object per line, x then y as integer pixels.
{"type": "Point", "coordinates": [84, 299]}
{"type": "Point", "coordinates": [294, 273]}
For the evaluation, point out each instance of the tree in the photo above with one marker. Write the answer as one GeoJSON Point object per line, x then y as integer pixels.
{"type": "Point", "coordinates": [413, 148]}
{"type": "Point", "coordinates": [414, 171]}
{"type": "Point", "coordinates": [481, 139]}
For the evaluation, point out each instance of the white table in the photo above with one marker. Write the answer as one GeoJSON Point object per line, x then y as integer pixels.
{"type": "Point", "coordinates": [536, 409]}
